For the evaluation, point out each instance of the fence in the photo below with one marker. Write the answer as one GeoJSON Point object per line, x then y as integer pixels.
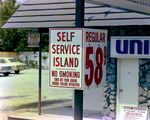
{"type": "Point", "coordinates": [29, 58]}
{"type": "Point", "coordinates": [9, 54]}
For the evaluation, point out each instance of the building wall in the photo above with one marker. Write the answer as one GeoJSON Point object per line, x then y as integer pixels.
{"type": "Point", "coordinates": [144, 83]}
{"type": "Point", "coordinates": [110, 90]}
{"type": "Point", "coordinates": [32, 59]}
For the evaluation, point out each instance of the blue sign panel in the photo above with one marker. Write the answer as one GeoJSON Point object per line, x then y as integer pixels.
{"type": "Point", "coordinates": [130, 47]}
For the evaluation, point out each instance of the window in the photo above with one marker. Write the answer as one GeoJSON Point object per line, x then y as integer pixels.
{"type": "Point", "coordinates": [2, 61]}
{"type": "Point", "coordinates": [12, 60]}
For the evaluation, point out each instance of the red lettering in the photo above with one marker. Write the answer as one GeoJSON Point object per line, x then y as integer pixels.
{"type": "Point", "coordinates": [61, 79]}
{"type": "Point", "coordinates": [69, 74]}
{"type": "Point", "coordinates": [66, 62]}
{"type": "Point", "coordinates": [76, 62]}
{"type": "Point", "coordinates": [74, 84]}
{"type": "Point", "coordinates": [78, 48]}
{"type": "Point", "coordinates": [53, 47]}
{"type": "Point", "coordinates": [56, 79]}
{"type": "Point", "coordinates": [73, 49]}
{"type": "Point", "coordinates": [58, 49]}
{"type": "Point", "coordinates": [66, 80]}
{"type": "Point", "coordinates": [101, 37]}
{"type": "Point", "coordinates": [90, 36]}
{"type": "Point", "coordinates": [63, 35]}
{"type": "Point", "coordinates": [98, 70]}
{"type": "Point", "coordinates": [54, 73]}
{"type": "Point", "coordinates": [64, 84]}
{"type": "Point", "coordinates": [104, 37]}
{"type": "Point", "coordinates": [67, 37]}
{"type": "Point", "coordinates": [100, 60]}
{"type": "Point", "coordinates": [95, 37]}
{"type": "Point", "coordinates": [73, 80]}
{"type": "Point", "coordinates": [72, 35]}
{"type": "Point", "coordinates": [57, 61]}
{"type": "Point", "coordinates": [55, 83]}
{"type": "Point", "coordinates": [89, 65]}
{"type": "Point", "coordinates": [71, 62]}
{"type": "Point", "coordinates": [58, 34]}
{"type": "Point", "coordinates": [61, 65]}
{"type": "Point", "coordinates": [53, 61]}
{"type": "Point", "coordinates": [65, 49]}
{"type": "Point", "coordinates": [62, 49]}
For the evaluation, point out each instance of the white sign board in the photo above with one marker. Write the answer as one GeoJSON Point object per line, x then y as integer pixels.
{"type": "Point", "coordinates": [66, 58]}
{"type": "Point", "coordinates": [134, 113]}
{"type": "Point", "coordinates": [130, 46]}
{"type": "Point", "coordinates": [95, 49]}
{"type": "Point", "coordinates": [77, 57]}
{"type": "Point", "coordinates": [33, 39]}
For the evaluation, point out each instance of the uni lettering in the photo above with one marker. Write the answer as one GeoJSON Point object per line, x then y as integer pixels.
{"type": "Point", "coordinates": [128, 47]}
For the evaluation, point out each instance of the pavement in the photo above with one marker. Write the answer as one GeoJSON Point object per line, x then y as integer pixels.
{"type": "Point", "coordinates": [58, 113]}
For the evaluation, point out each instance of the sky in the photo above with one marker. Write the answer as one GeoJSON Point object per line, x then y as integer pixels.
{"type": "Point", "coordinates": [20, 1]}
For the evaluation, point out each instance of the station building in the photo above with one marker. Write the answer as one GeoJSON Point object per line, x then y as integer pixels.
{"type": "Point", "coordinates": [128, 45]}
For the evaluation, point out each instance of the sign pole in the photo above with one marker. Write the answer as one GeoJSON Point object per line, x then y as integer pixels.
{"type": "Point", "coordinates": [78, 105]}
{"type": "Point", "coordinates": [34, 40]}
{"type": "Point", "coordinates": [39, 101]}
{"type": "Point", "coordinates": [78, 99]}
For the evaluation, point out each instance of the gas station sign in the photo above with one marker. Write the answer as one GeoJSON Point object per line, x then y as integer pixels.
{"type": "Point", "coordinates": [77, 57]}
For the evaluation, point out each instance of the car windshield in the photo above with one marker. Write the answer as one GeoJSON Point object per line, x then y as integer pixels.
{"type": "Point", "coordinates": [12, 60]}
{"type": "Point", "coordinates": [2, 61]}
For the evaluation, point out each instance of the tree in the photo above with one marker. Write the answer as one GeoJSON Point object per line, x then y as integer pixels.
{"type": "Point", "coordinates": [45, 42]}
{"type": "Point", "coordinates": [14, 39]}
{"type": "Point", "coordinates": [9, 37]}
{"type": "Point", "coordinates": [7, 9]}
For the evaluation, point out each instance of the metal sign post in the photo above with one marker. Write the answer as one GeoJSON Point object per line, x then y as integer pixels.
{"type": "Point", "coordinates": [78, 102]}
{"type": "Point", "coordinates": [39, 101]}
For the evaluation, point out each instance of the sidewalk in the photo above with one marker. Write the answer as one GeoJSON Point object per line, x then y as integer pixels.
{"type": "Point", "coordinates": [59, 113]}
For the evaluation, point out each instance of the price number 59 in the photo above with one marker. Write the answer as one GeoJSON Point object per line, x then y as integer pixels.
{"type": "Point", "coordinates": [100, 59]}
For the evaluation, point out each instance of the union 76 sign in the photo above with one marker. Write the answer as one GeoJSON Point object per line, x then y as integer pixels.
{"type": "Point", "coordinates": [77, 58]}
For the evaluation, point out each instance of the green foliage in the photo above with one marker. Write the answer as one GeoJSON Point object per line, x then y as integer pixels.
{"type": "Point", "coordinates": [13, 39]}
{"type": "Point", "coordinates": [45, 42]}
{"type": "Point", "coordinates": [22, 45]}
{"type": "Point", "coordinates": [10, 37]}
{"type": "Point", "coordinates": [7, 9]}
{"type": "Point", "coordinates": [44, 57]}
{"type": "Point", "coordinates": [32, 63]}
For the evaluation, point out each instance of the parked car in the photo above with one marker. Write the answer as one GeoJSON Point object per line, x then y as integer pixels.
{"type": "Point", "coordinates": [18, 66]}
{"type": "Point", "coordinates": [5, 69]}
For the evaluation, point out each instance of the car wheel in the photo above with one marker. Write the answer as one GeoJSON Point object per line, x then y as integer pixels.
{"type": "Point", "coordinates": [6, 74]}
{"type": "Point", "coordinates": [17, 72]}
